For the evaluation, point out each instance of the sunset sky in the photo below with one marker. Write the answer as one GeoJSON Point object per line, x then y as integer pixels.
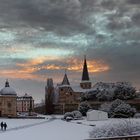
{"type": "Point", "coordinates": [39, 39]}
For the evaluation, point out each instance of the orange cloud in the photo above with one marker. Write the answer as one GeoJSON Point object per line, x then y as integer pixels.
{"type": "Point", "coordinates": [18, 74]}
{"type": "Point", "coordinates": [26, 70]}
{"type": "Point", "coordinates": [93, 65]}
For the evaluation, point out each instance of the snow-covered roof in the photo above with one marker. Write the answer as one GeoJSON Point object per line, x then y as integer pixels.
{"type": "Point", "coordinates": [64, 86]}
{"type": "Point", "coordinates": [25, 96]}
{"type": "Point", "coordinates": [79, 89]}
{"type": "Point", "coordinates": [8, 91]}
{"type": "Point", "coordinates": [76, 88]}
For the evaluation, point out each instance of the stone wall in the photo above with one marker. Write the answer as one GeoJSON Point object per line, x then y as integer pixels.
{"type": "Point", "coordinates": [8, 106]}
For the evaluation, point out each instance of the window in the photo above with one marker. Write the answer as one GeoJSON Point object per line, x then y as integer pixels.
{"type": "Point", "coordinates": [9, 105]}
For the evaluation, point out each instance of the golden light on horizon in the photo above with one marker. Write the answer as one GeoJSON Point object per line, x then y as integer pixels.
{"type": "Point", "coordinates": [93, 66]}
{"type": "Point", "coordinates": [29, 69]}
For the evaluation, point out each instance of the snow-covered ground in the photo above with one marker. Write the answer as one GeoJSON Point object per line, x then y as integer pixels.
{"type": "Point", "coordinates": [49, 129]}
{"type": "Point", "coordinates": [52, 128]}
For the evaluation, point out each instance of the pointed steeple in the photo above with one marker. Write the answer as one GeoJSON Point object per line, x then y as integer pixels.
{"type": "Point", "coordinates": [65, 80]}
{"type": "Point", "coordinates": [85, 83]}
{"type": "Point", "coordinates": [85, 75]}
{"type": "Point", "coordinates": [7, 83]}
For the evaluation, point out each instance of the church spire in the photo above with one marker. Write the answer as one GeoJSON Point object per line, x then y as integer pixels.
{"type": "Point", "coordinates": [65, 80]}
{"type": "Point", "coordinates": [85, 75]}
{"type": "Point", "coordinates": [85, 83]}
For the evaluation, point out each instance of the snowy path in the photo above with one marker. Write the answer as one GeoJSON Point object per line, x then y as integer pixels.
{"type": "Point", "coordinates": [27, 126]}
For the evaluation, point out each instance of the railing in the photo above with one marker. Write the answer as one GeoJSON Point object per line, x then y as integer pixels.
{"type": "Point", "coordinates": [118, 138]}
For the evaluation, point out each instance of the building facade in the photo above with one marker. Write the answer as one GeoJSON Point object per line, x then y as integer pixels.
{"type": "Point", "coordinates": [8, 101]}
{"type": "Point", "coordinates": [25, 103]}
{"type": "Point", "coordinates": [68, 96]}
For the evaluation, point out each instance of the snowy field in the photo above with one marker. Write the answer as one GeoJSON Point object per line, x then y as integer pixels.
{"type": "Point", "coordinates": [51, 128]}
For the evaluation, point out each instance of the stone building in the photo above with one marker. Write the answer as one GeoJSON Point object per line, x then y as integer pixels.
{"type": "Point", "coordinates": [25, 103]}
{"type": "Point", "coordinates": [68, 95]}
{"type": "Point", "coordinates": [8, 101]}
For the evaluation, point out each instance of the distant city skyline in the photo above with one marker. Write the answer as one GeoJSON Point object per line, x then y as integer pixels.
{"type": "Point", "coordinates": [39, 39]}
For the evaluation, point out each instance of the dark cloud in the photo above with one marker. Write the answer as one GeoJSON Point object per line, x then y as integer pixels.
{"type": "Point", "coordinates": [107, 30]}
{"type": "Point", "coordinates": [136, 19]}
{"type": "Point", "coordinates": [133, 1]}
{"type": "Point", "coordinates": [123, 62]}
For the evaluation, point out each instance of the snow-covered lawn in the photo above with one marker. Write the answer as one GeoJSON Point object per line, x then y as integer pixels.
{"type": "Point", "coordinates": [55, 129]}
{"type": "Point", "coordinates": [51, 129]}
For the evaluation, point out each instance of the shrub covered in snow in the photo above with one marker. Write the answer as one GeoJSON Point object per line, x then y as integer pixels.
{"type": "Point", "coordinates": [68, 114]}
{"type": "Point", "coordinates": [124, 128]}
{"type": "Point", "coordinates": [77, 114]}
{"type": "Point", "coordinates": [124, 91]}
{"type": "Point", "coordinates": [137, 115]}
{"type": "Point", "coordinates": [73, 115]}
{"type": "Point", "coordinates": [124, 111]}
{"type": "Point", "coordinates": [105, 95]}
{"type": "Point", "coordinates": [109, 92]}
{"type": "Point", "coordinates": [84, 107]}
{"type": "Point", "coordinates": [118, 109]}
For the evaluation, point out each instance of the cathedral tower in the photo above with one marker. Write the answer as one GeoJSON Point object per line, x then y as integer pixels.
{"type": "Point", "coordinates": [85, 82]}
{"type": "Point", "coordinates": [49, 96]}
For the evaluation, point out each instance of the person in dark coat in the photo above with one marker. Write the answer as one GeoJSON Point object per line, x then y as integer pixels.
{"type": "Point", "coordinates": [1, 124]}
{"type": "Point", "coordinates": [5, 126]}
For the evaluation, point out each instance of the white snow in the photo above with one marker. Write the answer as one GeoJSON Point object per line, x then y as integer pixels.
{"type": "Point", "coordinates": [55, 129]}
{"type": "Point", "coordinates": [52, 128]}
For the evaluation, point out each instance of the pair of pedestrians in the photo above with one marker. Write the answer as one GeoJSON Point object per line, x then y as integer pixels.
{"type": "Point", "coordinates": [3, 126]}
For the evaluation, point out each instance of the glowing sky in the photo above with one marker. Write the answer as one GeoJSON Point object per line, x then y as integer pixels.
{"type": "Point", "coordinates": [42, 38]}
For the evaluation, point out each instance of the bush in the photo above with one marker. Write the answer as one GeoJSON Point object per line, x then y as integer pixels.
{"type": "Point", "coordinates": [73, 115]}
{"type": "Point", "coordinates": [77, 114]}
{"type": "Point", "coordinates": [68, 114]}
{"type": "Point", "coordinates": [118, 109]}
{"type": "Point", "coordinates": [84, 107]}
{"type": "Point", "coordinates": [124, 128]}
{"type": "Point", "coordinates": [124, 91]}
{"type": "Point", "coordinates": [124, 111]}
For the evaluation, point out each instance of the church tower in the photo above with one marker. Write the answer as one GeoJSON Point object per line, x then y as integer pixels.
{"type": "Point", "coordinates": [49, 96]}
{"type": "Point", "coordinates": [85, 82]}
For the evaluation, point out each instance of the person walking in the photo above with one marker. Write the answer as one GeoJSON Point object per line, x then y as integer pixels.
{"type": "Point", "coordinates": [1, 124]}
{"type": "Point", "coordinates": [5, 126]}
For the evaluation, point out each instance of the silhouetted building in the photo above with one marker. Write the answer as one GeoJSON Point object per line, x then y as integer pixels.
{"type": "Point", "coordinates": [49, 96]}
{"type": "Point", "coordinates": [85, 82]}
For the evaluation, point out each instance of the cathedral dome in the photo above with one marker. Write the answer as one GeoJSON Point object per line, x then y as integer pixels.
{"type": "Point", "coordinates": [7, 90]}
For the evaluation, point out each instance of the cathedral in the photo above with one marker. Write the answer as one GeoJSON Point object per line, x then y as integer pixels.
{"type": "Point", "coordinates": [8, 98]}
{"type": "Point", "coordinates": [67, 96]}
